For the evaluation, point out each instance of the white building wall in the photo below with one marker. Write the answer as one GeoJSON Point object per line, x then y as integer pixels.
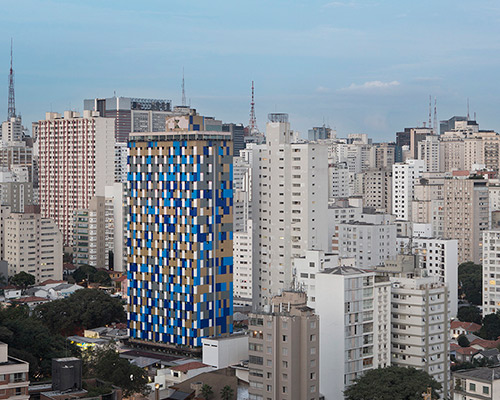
{"type": "Point", "coordinates": [223, 352]}
{"type": "Point", "coordinates": [404, 177]}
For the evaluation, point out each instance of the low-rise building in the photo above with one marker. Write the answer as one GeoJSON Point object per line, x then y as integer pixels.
{"type": "Point", "coordinates": [14, 380]}
{"type": "Point", "coordinates": [476, 384]}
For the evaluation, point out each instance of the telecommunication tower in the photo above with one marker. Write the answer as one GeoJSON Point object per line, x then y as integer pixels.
{"type": "Point", "coordinates": [183, 90]}
{"type": "Point", "coordinates": [252, 125]}
{"type": "Point", "coordinates": [12, 102]}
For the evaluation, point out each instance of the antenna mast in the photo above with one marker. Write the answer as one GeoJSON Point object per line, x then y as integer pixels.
{"type": "Point", "coordinates": [12, 102]}
{"type": "Point", "coordinates": [435, 126]}
{"type": "Point", "coordinates": [430, 109]}
{"type": "Point", "coordinates": [252, 125]}
{"type": "Point", "coordinates": [183, 90]}
{"type": "Point", "coordinates": [468, 117]}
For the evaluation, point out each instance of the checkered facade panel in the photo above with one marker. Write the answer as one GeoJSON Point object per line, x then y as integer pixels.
{"type": "Point", "coordinates": [180, 240]}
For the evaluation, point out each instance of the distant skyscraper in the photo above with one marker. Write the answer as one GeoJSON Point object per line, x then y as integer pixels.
{"type": "Point", "coordinates": [319, 133]}
{"type": "Point", "coordinates": [132, 114]}
{"type": "Point", "coordinates": [238, 133]}
{"type": "Point", "coordinates": [180, 236]}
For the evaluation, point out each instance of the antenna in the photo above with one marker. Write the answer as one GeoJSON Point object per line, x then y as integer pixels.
{"type": "Point", "coordinates": [475, 116]}
{"type": "Point", "coordinates": [11, 112]}
{"type": "Point", "coordinates": [252, 124]}
{"type": "Point", "coordinates": [430, 111]}
{"type": "Point", "coordinates": [435, 125]}
{"type": "Point", "coordinates": [183, 90]}
{"type": "Point", "coordinates": [467, 108]}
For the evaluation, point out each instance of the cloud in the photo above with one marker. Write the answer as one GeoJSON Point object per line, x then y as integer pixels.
{"type": "Point", "coordinates": [340, 4]}
{"type": "Point", "coordinates": [322, 89]}
{"type": "Point", "coordinates": [371, 85]}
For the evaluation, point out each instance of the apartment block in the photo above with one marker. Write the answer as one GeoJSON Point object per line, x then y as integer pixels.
{"type": "Point", "coordinates": [33, 244]}
{"type": "Point", "coordinates": [284, 354]}
{"type": "Point", "coordinates": [180, 236]}
{"type": "Point", "coordinates": [15, 376]}
{"type": "Point", "coordinates": [428, 202]}
{"type": "Point", "coordinates": [93, 234]}
{"type": "Point", "coordinates": [353, 306]}
{"type": "Point", "coordinates": [404, 178]}
{"type": "Point", "coordinates": [378, 189]}
{"type": "Point", "coordinates": [491, 271]}
{"type": "Point", "coordinates": [76, 160]}
{"type": "Point", "coordinates": [420, 316]}
{"type": "Point", "coordinates": [429, 153]}
{"type": "Point", "coordinates": [439, 258]}
{"type": "Point", "coordinates": [370, 240]}
{"type": "Point", "coordinates": [242, 256]}
{"type": "Point", "coordinates": [466, 215]}
{"type": "Point", "coordinates": [476, 384]}
{"type": "Point", "coordinates": [290, 199]}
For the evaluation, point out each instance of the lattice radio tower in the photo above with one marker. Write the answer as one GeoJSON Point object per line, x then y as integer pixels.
{"type": "Point", "coordinates": [252, 124]}
{"type": "Point", "coordinates": [12, 102]}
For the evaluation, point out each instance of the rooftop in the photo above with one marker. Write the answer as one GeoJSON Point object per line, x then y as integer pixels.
{"type": "Point", "coordinates": [189, 366]}
{"type": "Point", "coordinates": [486, 374]}
{"type": "Point", "coordinates": [345, 271]}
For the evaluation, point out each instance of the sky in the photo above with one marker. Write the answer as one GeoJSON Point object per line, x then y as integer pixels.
{"type": "Point", "coordinates": [359, 66]}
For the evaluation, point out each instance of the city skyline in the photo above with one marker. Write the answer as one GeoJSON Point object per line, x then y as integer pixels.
{"type": "Point", "coordinates": [356, 66]}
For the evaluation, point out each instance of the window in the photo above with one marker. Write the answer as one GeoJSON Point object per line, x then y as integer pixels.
{"type": "Point", "coordinates": [285, 338]}
{"type": "Point", "coordinates": [284, 351]}
{"type": "Point", "coordinates": [269, 388]}
{"type": "Point", "coordinates": [19, 391]}
{"type": "Point", "coordinates": [486, 390]}
{"type": "Point", "coordinates": [285, 364]}
{"type": "Point", "coordinates": [472, 387]}
{"type": "Point", "coordinates": [284, 389]}
{"type": "Point", "coordinates": [313, 388]}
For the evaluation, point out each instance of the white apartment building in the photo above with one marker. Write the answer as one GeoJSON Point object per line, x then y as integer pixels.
{"type": "Point", "coordinates": [370, 240]}
{"type": "Point", "coordinates": [15, 376]}
{"type": "Point", "coordinates": [491, 271]}
{"type": "Point", "coordinates": [121, 154]}
{"type": "Point", "coordinates": [353, 306]}
{"type": "Point", "coordinates": [115, 227]}
{"type": "Point", "coordinates": [12, 130]}
{"type": "Point", "coordinates": [306, 269]}
{"type": "Point", "coordinates": [420, 326]}
{"type": "Point", "coordinates": [290, 202]}
{"type": "Point", "coordinates": [76, 160]}
{"type": "Point", "coordinates": [439, 258]}
{"type": "Point", "coordinates": [339, 180]}
{"type": "Point", "coordinates": [33, 244]}
{"type": "Point", "coordinates": [341, 211]}
{"type": "Point", "coordinates": [404, 177]}
{"type": "Point", "coordinates": [429, 153]}
{"type": "Point", "coordinates": [242, 266]}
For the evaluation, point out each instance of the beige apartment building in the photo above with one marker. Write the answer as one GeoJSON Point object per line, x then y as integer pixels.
{"type": "Point", "coordinates": [428, 202]}
{"type": "Point", "coordinates": [378, 189]}
{"type": "Point", "coordinates": [476, 384]}
{"type": "Point", "coordinates": [14, 379]}
{"type": "Point", "coordinates": [33, 244]}
{"type": "Point", "coordinates": [93, 234]}
{"type": "Point", "coordinates": [466, 215]}
{"type": "Point", "coordinates": [284, 350]}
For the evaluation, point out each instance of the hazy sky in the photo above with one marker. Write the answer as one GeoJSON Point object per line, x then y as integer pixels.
{"type": "Point", "coordinates": [360, 66]}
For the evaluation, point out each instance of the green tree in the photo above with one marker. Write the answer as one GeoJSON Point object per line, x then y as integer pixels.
{"type": "Point", "coordinates": [470, 281]}
{"type": "Point", "coordinates": [469, 314]}
{"type": "Point", "coordinates": [22, 279]}
{"type": "Point", "coordinates": [89, 274]}
{"type": "Point", "coordinates": [227, 393]}
{"type": "Point", "coordinates": [106, 364]}
{"type": "Point", "coordinates": [207, 392]}
{"type": "Point", "coordinates": [30, 340]}
{"type": "Point", "coordinates": [392, 383]}
{"type": "Point", "coordinates": [86, 308]}
{"type": "Point", "coordinates": [491, 327]}
{"type": "Point", "coordinates": [463, 341]}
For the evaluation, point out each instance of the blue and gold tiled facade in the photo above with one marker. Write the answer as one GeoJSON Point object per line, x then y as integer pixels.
{"type": "Point", "coordinates": [180, 236]}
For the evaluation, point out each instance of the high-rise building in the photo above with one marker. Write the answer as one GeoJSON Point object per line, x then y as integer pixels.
{"type": "Point", "coordinates": [466, 215]}
{"type": "Point", "coordinates": [33, 244]}
{"type": "Point", "coordinates": [491, 261]}
{"type": "Point", "coordinates": [439, 258]}
{"type": "Point", "coordinates": [320, 133]}
{"type": "Point", "coordinates": [370, 239]}
{"type": "Point", "coordinates": [238, 136]}
{"type": "Point", "coordinates": [93, 234]}
{"type": "Point", "coordinates": [132, 114]}
{"type": "Point", "coordinates": [428, 202]}
{"type": "Point", "coordinates": [429, 152]}
{"type": "Point", "coordinates": [180, 236]}
{"type": "Point", "coordinates": [12, 130]}
{"type": "Point", "coordinates": [382, 155]}
{"type": "Point", "coordinates": [353, 306]}
{"type": "Point", "coordinates": [420, 317]}
{"type": "Point", "coordinates": [411, 137]}
{"type": "Point", "coordinates": [404, 178]}
{"type": "Point", "coordinates": [76, 160]}
{"type": "Point", "coordinates": [378, 189]}
{"type": "Point", "coordinates": [243, 277]}
{"type": "Point", "coordinates": [284, 354]}
{"type": "Point", "coordinates": [121, 154]}
{"type": "Point", "coordinates": [290, 201]}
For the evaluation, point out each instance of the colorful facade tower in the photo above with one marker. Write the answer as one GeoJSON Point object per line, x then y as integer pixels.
{"type": "Point", "coordinates": [180, 236]}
